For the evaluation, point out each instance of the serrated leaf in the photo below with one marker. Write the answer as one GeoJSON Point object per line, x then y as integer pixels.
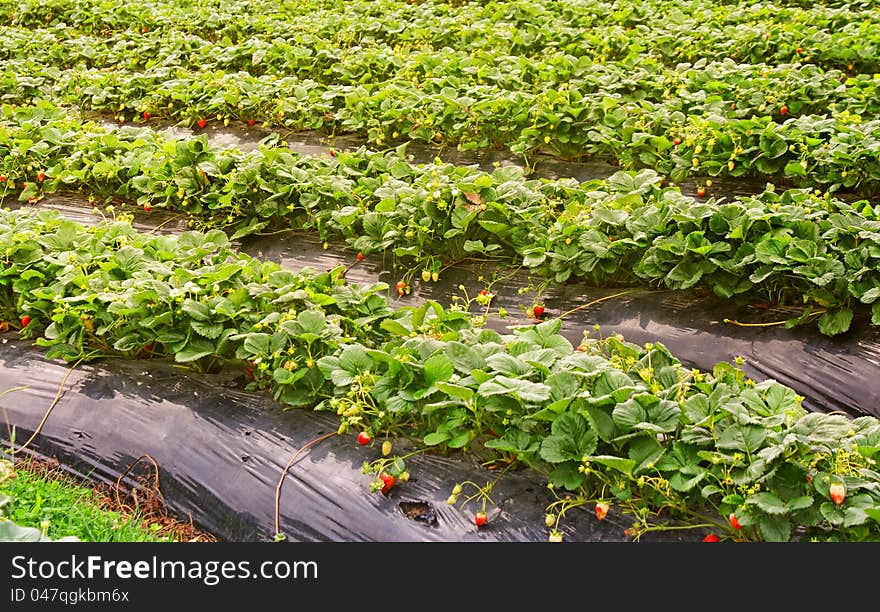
{"type": "Point", "coordinates": [194, 349]}
{"type": "Point", "coordinates": [618, 463]}
{"type": "Point", "coordinates": [437, 437]}
{"type": "Point", "coordinates": [566, 476]}
{"type": "Point", "coordinates": [836, 321]}
{"type": "Point", "coordinates": [437, 368]}
{"type": "Point", "coordinates": [207, 329]}
{"type": "Point", "coordinates": [775, 528]}
{"type": "Point", "coordinates": [768, 502]}
{"type": "Point", "coordinates": [354, 358]}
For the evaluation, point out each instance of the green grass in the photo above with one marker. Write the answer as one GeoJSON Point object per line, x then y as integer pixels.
{"type": "Point", "coordinates": [64, 508]}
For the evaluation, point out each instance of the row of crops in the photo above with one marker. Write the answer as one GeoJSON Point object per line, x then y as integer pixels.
{"type": "Point", "coordinates": [667, 92]}
{"type": "Point", "coordinates": [798, 115]}
{"type": "Point", "coordinates": [799, 246]}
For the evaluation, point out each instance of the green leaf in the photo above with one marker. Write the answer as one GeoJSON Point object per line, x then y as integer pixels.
{"type": "Point", "coordinates": [507, 364]}
{"type": "Point", "coordinates": [438, 368]}
{"type": "Point", "coordinates": [799, 503]}
{"type": "Point", "coordinates": [518, 388]}
{"type": "Point", "coordinates": [600, 421]}
{"type": "Point", "coordinates": [207, 329]}
{"type": "Point", "coordinates": [435, 438]}
{"type": "Point", "coordinates": [566, 476]}
{"type": "Point", "coordinates": [768, 502]}
{"type": "Point", "coordinates": [395, 328]}
{"type": "Point", "coordinates": [461, 439]}
{"type": "Point", "coordinates": [195, 349]}
{"type": "Point", "coordinates": [646, 452]}
{"type": "Point", "coordinates": [775, 528]}
{"type": "Point", "coordinates": [745, 438]}
{"type": "Point", "coordinates": [457, 391]}
{"type": "Point", "coordinates": [618, 463]}
{"type": "Point", "coordinates": [571, 440]}
{"type": "Point", "coordinates": [464, 358]}
{"type": "Point", "coordinates": [835, 321]}
{"type": "Point", "coordinates": [354, 359]}
{"type": "Point", "coordinates": [196, 310]}
{"type": "Point", "coordinates": [646, 412]}
{"type": "Point", "coordinates": [312, 321]}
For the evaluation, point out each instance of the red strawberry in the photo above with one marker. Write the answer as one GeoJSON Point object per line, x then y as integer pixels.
{"type": "Point", "coordinates": [799, 51]}
{"type": "Point", "coordinates": [711, 538]}
{"type": "Point", "coordinates": [837, 492]}
{"type": "Point", "coordinates": [147, 208]}
{"type": "Point", "coordinates": [701, 191]}
{"type": "Point", "coordinates": [2, 178]}
{"type": "Point", "coordinates": [41, 176]}
{"type": "Point", "coordinates": [201, 123]}
{"type": "Point", "coordinates": [734, 522]}
{"type": "Point", "coordinates": [676, 141]}
{"type": "Point", "coordinates": [147, 115]}
{"type": "Point", "coordinates": [480, 519]}
{"type": "Point", "coordinates": [364, 438]}
{"type": "Point", "coordinates": [360, 256]}
{"type": "Point", "coordinates": [401, 287]}
{"type": "Point", "coordinates": [332, 152]}
{"type": "Point", "coordinates": [388, 481]}
{"type": "Point", "coordinates": [538, 310]}
{"type": "Point", "coordinates": [581, 348]}
{"type": "Point", "coordinates": [601, 510]}
{"type": "Point", "coordinates": [25, 320]}
{"type": "Point", "coordinates": [251, 122]}
{"type": "Point", "coordinates": [783, 110]}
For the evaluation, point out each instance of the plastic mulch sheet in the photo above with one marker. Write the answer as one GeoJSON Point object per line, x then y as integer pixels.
{"type": "Point", "coordinates": [221, 453]}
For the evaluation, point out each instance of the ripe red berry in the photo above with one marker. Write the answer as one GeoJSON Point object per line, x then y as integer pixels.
{"type": "Point", "coordinates": [201, 123]}
{"type": "Point", "coordinates": [147, 208]}
{"type": "Point", "coordinates": [837, 492]}
{"type": "Point", "coordinates": [388, 481]}
{"type": "Point", "coordinates": [147, 115]}
{"type": "Point", "coordinates": [332, 152]}
{"type": "Point", "coordinates": [799, 51]}
{"type": "Point", "coordinates": [360, 256]}
{"type": "Point", "coordinates": [676, 141]}
{"type": "Point", "coordinates": [401, 287]}
{"type": "Point", "coordinates": [251, 122]}
{"type": "Point", "coordinates": [364, 438]}
{"type": "Point", "coordinates": [2, 178]}
{"type": "Point", "coordinates": [783, 110]}
{"type": "Point", "coordinates": [601, 510]}
{"type": "Point", "coordinates": [25, 320]}
{"type": "Point", "coordinates": [701, 191]}
{"type": "Point", "coordinates": [41, 176]}
{"type": "Point", "coordinates": [480, 519]}
{"type": "Point", "coordinates": [538, 311]}
{"type": "Point", "coordinates": [734, 522]}
{"type": "Point", "coordinates": [711, 538]}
